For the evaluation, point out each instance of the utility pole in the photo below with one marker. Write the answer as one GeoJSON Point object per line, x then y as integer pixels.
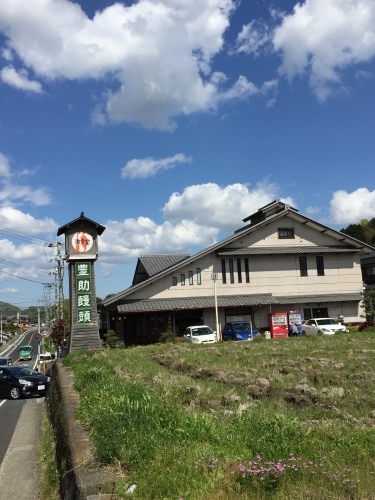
{"type": "Point", "coordinates": [59, 275]}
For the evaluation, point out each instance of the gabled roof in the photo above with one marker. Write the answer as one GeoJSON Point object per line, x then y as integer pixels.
{"type": "Point", "coordinates": [83, 222]}
{"type": "Point", "coordinates": [299, 250]}
{"type": "Point", "coordinates": [272, 211]}
{"type": "Point", "coordinates": [150, 265]}
{"type": "Point", "coordinates": [272, 208]}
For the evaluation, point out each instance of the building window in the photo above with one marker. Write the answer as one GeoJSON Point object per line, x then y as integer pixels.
{"type": "Point", "coordinates": [199, 277]}
{"type": "Point", "coordinates": [174, 280]}
{"type": "Point", "coordinates": [370, 271]}
{"type": "Point", "coordinates": [303, 266]}
{"type": "Point", "coordinates": [239, 271]}
{"type": "Point", "coordinates": [307, 314]}
{"type": "Point", "coordinates": [247, 272]}
{"type": "Point", "coordinates": [286, 233]}
{"type": "Point", "coordinates": [182, 279]}
{"type": "Point", "coordinates": [231, 270]}
{"type": "Point", "coordinates": [191, 277]}
{"type": "Point", "coordinates": [320, 265]}
{"type": "Point", "coordinates": [223, 271]}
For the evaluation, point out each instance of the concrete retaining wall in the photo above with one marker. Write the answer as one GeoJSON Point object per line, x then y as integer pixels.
{"type": "Point", "coordinates": [80, 479]}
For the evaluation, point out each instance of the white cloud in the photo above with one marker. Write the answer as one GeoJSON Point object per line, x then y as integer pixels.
{"type": "Point", "coordinates": [140, 168]}
{"type": "Point", "coordinates": [4, 166]}
{"type": "Point", "coordinates": [156, 54]}
{"type": "Point", "coordinates": [20, 80]}
{"type": "Point", "coordinates": [16, 220]}
{"type": "Point", "coordinates": [350, 208]}
{"type": "Point", "coordinates": [12, 191]}
{"type": "Point", "coordinates": [253, 38]}
{"type": "Point", "coordinates": [213, 205]}
{"type": "Point", "coordinates": [193, 220]}
{"type": "Point", "coordinates": [322, 38]}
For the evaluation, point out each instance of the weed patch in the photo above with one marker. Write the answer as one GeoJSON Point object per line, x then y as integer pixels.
{"type": "Point", "coordinates": [291, 419]}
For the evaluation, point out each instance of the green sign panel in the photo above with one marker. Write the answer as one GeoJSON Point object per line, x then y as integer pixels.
{"type": "Point", "coordinates": [83, 288]}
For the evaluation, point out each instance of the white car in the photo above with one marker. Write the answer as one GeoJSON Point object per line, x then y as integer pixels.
{"type": "Point", "coordinates": [326, 326]}
{"type": "Point", "coordinates": [200, 334]}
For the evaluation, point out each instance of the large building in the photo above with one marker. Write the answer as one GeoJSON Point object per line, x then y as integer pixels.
{"type": "Point", "coordinates": [279, 261]}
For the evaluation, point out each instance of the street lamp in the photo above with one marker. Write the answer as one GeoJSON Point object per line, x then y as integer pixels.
{"type": "Point", "coordinates": [214, 277]}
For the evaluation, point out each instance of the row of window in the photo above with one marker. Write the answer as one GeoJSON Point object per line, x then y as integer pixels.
{"type": "Point", "coordinates": [319, 265]}
{"type": "Point", "coordinates": [190, 278]}
{"type": "Point", "coordinates": [302, 266]}
{"type": "Point", "coordinates": [242, 271]}
{"type": "Point", "coordinates": [238, 270]}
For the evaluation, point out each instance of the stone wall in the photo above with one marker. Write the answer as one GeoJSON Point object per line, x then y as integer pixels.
{"type": "Point", "coordinates": [80, 478]}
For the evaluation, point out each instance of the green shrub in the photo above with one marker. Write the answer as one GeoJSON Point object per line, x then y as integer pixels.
{"type": "Point", "coordinates": [168, 337]}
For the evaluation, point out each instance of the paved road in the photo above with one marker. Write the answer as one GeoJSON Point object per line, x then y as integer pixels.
{"type": "Point", "coordinates": [19, 470]}
{"type": "Point", "coordinates": [9, 415]}
{"type": "Point", "coordinates": [20, 427]}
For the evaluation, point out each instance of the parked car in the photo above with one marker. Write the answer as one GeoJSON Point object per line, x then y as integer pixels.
{"type": "Point", "coordinates": [17, 381]}
{"type": "Point", "coordinates": [366, 324]}
{"type": "Point", "coordinates": [200, 334]}
{"type": "Point", "coordinates": [325, 326]}
{"type": "Point", "coordinates": [239, 330]}
{"type": "Point", "coordinates": [6, 361]}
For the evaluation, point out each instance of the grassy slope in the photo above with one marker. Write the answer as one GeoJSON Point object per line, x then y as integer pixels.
{"type": "Point", "coordinates": [291, 418]}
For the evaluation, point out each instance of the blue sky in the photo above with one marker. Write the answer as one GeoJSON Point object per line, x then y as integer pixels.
{"type": "Point", "coordinates": [169, 121]}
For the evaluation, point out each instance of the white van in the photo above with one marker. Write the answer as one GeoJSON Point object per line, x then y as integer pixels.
{"type": "Point", "coordinates": [47, 356]}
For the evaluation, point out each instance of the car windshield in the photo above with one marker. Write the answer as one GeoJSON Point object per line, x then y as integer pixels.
{"type": "Point", "coordinates": [201, 331]}
{"type": "Point", "coordinates": [25, 348]}
{"type": "Point", "coordinates": [327, 322]}
{"type": "Point", "coordinates": [22, 371]}
{"type": "Point", "coordinates": [241, 327]}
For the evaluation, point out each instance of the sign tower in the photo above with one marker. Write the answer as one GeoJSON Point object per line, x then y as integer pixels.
{"type": "Point", "coordinates": [81, 247]}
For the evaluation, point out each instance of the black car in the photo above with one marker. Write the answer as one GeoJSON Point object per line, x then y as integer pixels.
{"type": "Point", "coordinates": [6, 361]}
{"type": "Point", "coordinates": [17, 381]}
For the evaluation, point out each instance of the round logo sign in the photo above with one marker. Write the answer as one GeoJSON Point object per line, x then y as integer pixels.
{"type": "Point", "coordinates": [82, 242]}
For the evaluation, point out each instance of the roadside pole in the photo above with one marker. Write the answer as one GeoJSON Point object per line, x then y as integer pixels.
{"type": "Point", "coordinates": [39, 341]}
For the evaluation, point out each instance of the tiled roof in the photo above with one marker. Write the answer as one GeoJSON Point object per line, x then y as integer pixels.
{"type": "Point", "coordinates": [306, 299]}
{"type": "Point", "coordinates": [230, 301]}
{"type": "Point", "coordinates": [287, 250]}
{"type": "Point", "coordinates": [195, 303]}
{"type": "Point", "coordinates": [154, 264]}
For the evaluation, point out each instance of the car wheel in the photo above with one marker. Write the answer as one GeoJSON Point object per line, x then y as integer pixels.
{"type": "Point", "coordinates": [303, 333]}
{"type": "Point", "coordinates": [15, 393]}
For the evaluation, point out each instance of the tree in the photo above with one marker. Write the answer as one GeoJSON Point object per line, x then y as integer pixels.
{"type": "Point", "coordinates": [356, 231]}
{"type": "Point", "coordinates": [369, 304]}
{"type": "Point", "coordinates": [110, 338]}
{"type": "Point", "coordinates": [364, 231]}
{"type": "Point", "coordinates": [60, 331]}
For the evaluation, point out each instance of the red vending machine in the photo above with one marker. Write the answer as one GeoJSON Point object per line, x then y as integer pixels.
{"type": "Point", "coordinates": [278, 323]}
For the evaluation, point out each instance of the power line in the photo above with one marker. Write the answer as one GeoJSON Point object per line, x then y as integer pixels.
{"type": "Point", "coordinates": [20, 278]}
{"type": "Point", "coordinates": [13, 264]}
{"type": "Point", "coordinates": [22, 236]}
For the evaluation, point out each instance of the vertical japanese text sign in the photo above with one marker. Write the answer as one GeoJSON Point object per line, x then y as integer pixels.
{"type": "Point", "coordinates": [84, 296]}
